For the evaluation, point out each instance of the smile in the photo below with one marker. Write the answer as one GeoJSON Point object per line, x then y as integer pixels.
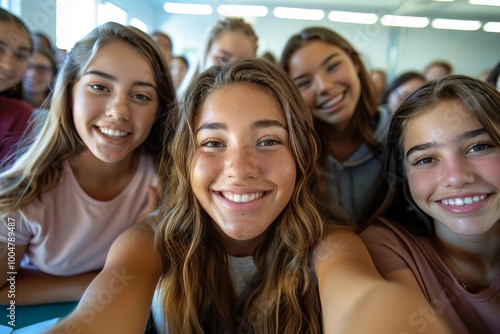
{"type": "Point", "coordinates": [112, 132]}
{"type": "Point", "coordinates": [332, 102]}
{"type": "Point", "coordinates": [242, 198]}
{"type": "Point", "coordinates": [459, 201]}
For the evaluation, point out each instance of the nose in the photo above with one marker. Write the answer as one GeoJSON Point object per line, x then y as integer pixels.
{"type": "Point", "coordinates": [242, 163]}
{"type": "Point", "coordinates": [457, 173]}
{"type": "Point", "coordinates": [323, 83]}
{"type": "Point", "coordinates": [118, 108]}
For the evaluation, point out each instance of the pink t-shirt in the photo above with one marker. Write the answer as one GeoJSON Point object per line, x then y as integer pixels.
{"type": "Point", "coordinates": [394, 248]}
{"type": "Point", "coordinates": [69, 232]}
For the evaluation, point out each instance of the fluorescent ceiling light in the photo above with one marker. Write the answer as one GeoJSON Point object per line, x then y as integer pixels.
{"type": "Point", "coordinates": [298, 13]}
{"type": "Point", "coordinates": [443, 0]}
{"type": "Point", "coordinates": [456, 24]}
{"type": "Point", "coordinates": [242, 10]}
{"type": "Point", "coordinates": [492, 27]}
{"type": "Point", "coordinates": [485, 2]}
{"type": "Point", "coordinates": [135, 22]}
{"type": "Point", "coordinates": [352, 17]}
{"type": "Point", "coordinates": [405, 21]}
{"type": "Point", "coordinates": [187, 8]}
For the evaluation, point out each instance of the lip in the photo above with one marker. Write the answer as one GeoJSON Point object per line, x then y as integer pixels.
{"type": "Point", "coordinates": [465, 208]}
{"type": "Point", "coordinates": [112, 140]}
{"type": "Point", "coordinates": [242, 206]}
{"type": "Point", "coordinates": [325, 107]}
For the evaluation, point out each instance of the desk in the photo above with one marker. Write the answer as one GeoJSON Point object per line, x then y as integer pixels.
{"type": "Point", "coordinates": [27, 315]}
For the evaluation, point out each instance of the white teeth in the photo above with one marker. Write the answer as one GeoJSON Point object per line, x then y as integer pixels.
{"type": "Point", "coordinates": [462, 201]}
{"type": "Point", "coordinates": [333, 101]}
{"type": "Point", "coordinates": [245, 198]}
{"type": "Point", "coordinates": [113, 133]}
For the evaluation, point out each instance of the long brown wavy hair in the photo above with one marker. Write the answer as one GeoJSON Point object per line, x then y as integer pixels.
{"type": "Point", "coordinates": [364, 117]}
{"type": "Point", "coordinates": [196, 287]}
{"type": "Point", "coordinates": [38, 160]}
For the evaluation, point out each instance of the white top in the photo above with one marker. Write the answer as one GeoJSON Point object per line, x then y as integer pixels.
{"type": "Point", "coordinates": [68, 232]}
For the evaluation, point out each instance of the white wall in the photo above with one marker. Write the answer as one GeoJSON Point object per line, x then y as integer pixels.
{"type": "Point", "coordinates": [469, 52]}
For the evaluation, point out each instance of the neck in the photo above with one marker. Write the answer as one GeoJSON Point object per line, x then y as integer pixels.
{"type": "Point", "coordinates": [35, 99]}
{"type": "Point", "coordinates": [475, 260]}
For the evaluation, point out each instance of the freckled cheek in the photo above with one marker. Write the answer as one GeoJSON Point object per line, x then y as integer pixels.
{"type": "Point", "coordinates": [206, 171]}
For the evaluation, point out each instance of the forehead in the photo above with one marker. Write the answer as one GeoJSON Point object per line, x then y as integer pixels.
{"type": "Point", "coordinates": [10, 33]}
{"type": "Point", "coordinates": [440, 123]}
{"type": "Point", "coordinates": [313, 53]}
{"type": "Point", "coordinates": [234, 41]}
{"type": "Point", "coordinates": [239, 103]}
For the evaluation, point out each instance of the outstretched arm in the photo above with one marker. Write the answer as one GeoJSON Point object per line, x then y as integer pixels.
{"type": "Point", "coordinates": [119, 299]}
{"type": "Point", "coordinates": [356, 299]}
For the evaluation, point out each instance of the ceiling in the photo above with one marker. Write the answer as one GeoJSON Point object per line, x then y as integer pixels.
{"type": "Point", "coordinates": [457, 9]}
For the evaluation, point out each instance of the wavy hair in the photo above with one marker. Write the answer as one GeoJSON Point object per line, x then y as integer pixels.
{"type": "Point", "coordinates": [364, 117]}
{"type": "Point", "coordinates": [196, 286]}
{"type": "Point", "coordinates": [37, 164]}
{"type": "Point", "coordinates": [479, 98]}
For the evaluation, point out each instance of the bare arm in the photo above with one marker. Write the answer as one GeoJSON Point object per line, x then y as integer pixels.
{"type": "Point", "coordinates": [35, 287]}
{"type": "Point", "coordinates": [119, 299]}
{"type": "Point", "coordinates": [356, 299]}
{"type": "Point", "coordinates": [10, 257]}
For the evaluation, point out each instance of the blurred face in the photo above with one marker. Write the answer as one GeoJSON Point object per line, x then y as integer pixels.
{"type": "Point", "coordinates": [453, 170]}
{"type": "Point", "coordinates": [397, 96]}
{"type": "Point", "coordinates": [15, 51]}
{"type": "Point", "coordinates": [244, 172]}
{"type": "Point", "coordinates": [229, 46]}
{"type": "Point", "coordinates": [435, 72]}
{"type": "Point", "coordinates": [379, 81]}
{"type": "Point", "coordinates": [328, 81]}
{"type": "Point", "coordinates": [115, 102]}
{"type": "Point", "coordinates": [178, 71]}
{"type": "Point", "coordinates": [39, 76]}
{"type": "Point", "coordinates": [165, 46]}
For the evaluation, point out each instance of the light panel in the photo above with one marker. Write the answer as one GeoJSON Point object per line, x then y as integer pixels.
{"type": "Point", "coordinates": [298, 13]}
{"type": "Point", "coordinates": [352, 17]}
{"type": "Point", "coordinates": [242, 10]}
{"type": "Point", "coordinates": [404, 21]}
{"type": "Point", "coordinates": [467, 25]}
{"type": "Point", "coordinates": [492, 27]}
{"type": "Point", "coordinates": [187, 8]}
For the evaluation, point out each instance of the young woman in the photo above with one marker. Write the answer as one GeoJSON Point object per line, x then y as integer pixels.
{"type": "Point", "coordinates": [228, 39]}
{"type": "Point", "coordinates": [85, 175]}
{"type": "Point", "coordinates": [241, 243]}
{"type": "Point", "coordinates": [341, 96]}
{"type": "Point", "coordinates": [37, 81]}
{"type": "Point", "coordinates": [16, 48]}
{"type": "Point", "coordinates": [443, 158]}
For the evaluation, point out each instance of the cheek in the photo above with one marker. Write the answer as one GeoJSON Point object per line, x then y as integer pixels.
{"type": "Point", "coordinates": [421, 185]}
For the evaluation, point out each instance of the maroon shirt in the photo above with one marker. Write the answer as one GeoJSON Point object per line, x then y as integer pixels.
{"type": "Point", "coordinates": [394, 248]}
{"type": "Point", "coordinates": [14, 116]}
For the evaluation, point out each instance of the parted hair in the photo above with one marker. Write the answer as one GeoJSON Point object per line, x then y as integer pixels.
{"type": "Point", "coordinates": [197, 293]}
{"type": "Point", "coordinates": [365, 114]}
{"type": "Point", "coordinates": [37, 164]}
{"type": "Point", "coordinates": [479, 98]}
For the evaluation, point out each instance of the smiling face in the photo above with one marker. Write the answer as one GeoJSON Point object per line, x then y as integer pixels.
{"type": "Point", "coordinates": [15, 51]}
{"type": "Point", "coordinates": [229, 46]}
{"type": "Point", "coordinates": [39, 76]}
{"type": "Point", "coordinates": [115, 102]}
{"type": "Point", "coordinates": [328, 81]}
{"type": "Point", "coordinates": [453, 170]}
{"type": "Point", "coordinates": [244, 171]}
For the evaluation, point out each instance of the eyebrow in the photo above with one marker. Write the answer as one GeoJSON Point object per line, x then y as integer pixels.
{"type": "Point", "coordinates": [113, 78]}
{"type": "Point", "coordinates": [257, 125]}
{"type": "Point", "coordinates": [333, 55]}
{"type": "Point", "coordinates": [463, 136]}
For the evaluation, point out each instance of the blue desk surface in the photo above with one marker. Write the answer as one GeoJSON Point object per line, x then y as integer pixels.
{"type": "Point", "coordinates": [27, 315]}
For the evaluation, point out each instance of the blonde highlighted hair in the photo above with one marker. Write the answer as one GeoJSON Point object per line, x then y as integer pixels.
{"type": "Point", "coordinates": [37, 164]}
